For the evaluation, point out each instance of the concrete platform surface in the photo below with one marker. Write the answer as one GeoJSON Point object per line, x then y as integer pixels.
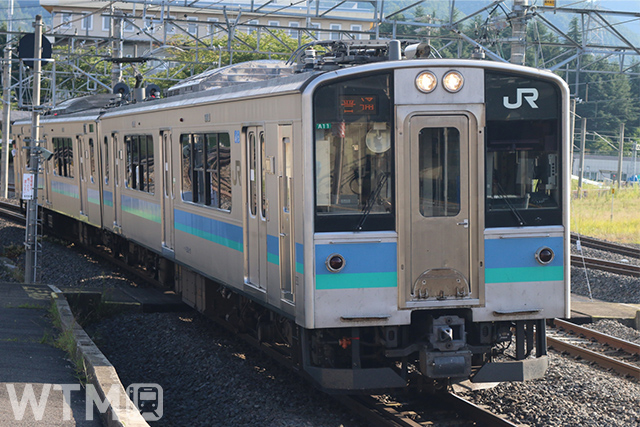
{"type": "Point", "coordinates": [38, 383]}
{"type": "Point", "coordinates": [595, 310]}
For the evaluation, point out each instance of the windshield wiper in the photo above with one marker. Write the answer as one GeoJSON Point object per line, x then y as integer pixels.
{"type": "Point", "coordinates": [512, 208]}
{"type": "Point", "coordinates": [372, 199]}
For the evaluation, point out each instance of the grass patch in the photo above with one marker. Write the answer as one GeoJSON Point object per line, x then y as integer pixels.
{"type": "Point", "coordinates": [66, 342]}
{"type": "Point", "coordinates": [31, 306]}
{"type": "Point", "coordinates": [604, 214]}
{"type": "Point", "coordinates": [13, 251]}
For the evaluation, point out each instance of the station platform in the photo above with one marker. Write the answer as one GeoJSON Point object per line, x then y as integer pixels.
{"type": "Point", "coordinates": [584, 310]}
{"type": "Point", "coordinates": [32, 367]}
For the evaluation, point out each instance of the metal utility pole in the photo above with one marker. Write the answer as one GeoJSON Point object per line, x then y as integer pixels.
{"type": "Point", "coordinates": [519, 31]}
{"type": "Point", "coordinates": [31, 234]}
{"type": "Point", "coordinates": [621, 154]}
{"type": "Point", "coordinates": [6, 109]}
{"type": "Point", "coordinates": [583, 143]}
{"type": "Point", "coordinates": [116, 34]}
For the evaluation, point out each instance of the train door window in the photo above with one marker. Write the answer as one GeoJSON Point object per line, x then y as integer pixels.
{"type": "Point", "coordinates": [439, 171]}
{"type": "Point", "coordinates": [354, 155]}
{"type": "Point", "coordinates": [263, 177]}
{"type": "Point", "coordinates": [150, 163]}
{"type": "Point", "coordinates": [253, 196]}
{"type": "Point", "coordinates": [80, 156]}
{"type": "Point", "coordinates": [523, 152]}
{"type": "Point", "coordinates": [115, 159]}
{"type": "Point", "coordinates": [92, 160]}
{"type": "Point", "coordinates": [288, 173]}
{"type": "Point", "coordinates": [106, 160]}
{"type": "Point", "coordinates": [187, 168]}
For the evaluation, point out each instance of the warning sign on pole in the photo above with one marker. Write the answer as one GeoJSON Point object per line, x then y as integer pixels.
{"type": "Point", "coordinates": [550, 3]}
{"type": "Point", "coordinates": [28, 182]}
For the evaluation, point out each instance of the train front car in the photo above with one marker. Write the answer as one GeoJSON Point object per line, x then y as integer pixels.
{"type": "Point", "coordinates": [440, 222]}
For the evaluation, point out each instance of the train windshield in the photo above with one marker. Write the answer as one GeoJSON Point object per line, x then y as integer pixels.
{"type": "Point", "coordinates": [354, 176]}
{"type": "Point", "coordinates": [523, 152]}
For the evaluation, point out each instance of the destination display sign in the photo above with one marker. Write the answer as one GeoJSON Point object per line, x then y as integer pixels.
{"type": "Point", "coordinates": [358, 104]}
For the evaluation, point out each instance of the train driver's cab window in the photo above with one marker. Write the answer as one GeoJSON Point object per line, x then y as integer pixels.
{"type": "Point", "coordinates": [354, 156]}
{"type": "Point", "coordinates": [63, 157]}
{"type": "Point", "coordinates": [523, 152]}
{"type": "Point", "coordinates": [206, 169]}
{"type": "Point", "coordinates": [140, 163]}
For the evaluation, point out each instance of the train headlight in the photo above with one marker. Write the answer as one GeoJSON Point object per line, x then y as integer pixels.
{"type": "Point", "coordinates": [544, 255]}
{"type": "Point", "coordinates": [335, 263]}
{"type": "Point", "coordinates": [453, 81]}
{"type": "Point", "coordinates": [426, 81]}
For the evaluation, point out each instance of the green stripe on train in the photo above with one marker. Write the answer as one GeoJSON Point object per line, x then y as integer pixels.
{"type": "Point", "coordinates": [524, 274]}
{"type": "Point", "coordinates": [143, 214]}
{"type": "Point", "coordinates": [211, 237]}
{"type": "Point", "coordinates": [357, 280]}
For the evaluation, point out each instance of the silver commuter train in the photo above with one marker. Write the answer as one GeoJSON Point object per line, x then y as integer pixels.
{"type": "Point", "coordinates": [372, 220]}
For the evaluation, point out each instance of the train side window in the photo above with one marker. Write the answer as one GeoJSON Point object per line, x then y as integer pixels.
{"type": "Point", "coordinates": [206, 169]}
{"type": "Point", "coordinates": [200, 187]}
{"type": "Point", "coordinates": [140, 163]}
{"type": "Point", "coordinates": [68, 154]}
{"type": "Point", "coordinates": [63, 157]}
{"type": "Point", "coordinates": [224, 170]}
{"type": "Point", "coordinates": [212, 168]}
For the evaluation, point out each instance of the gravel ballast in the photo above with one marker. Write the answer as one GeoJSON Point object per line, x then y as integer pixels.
{"type": "Point", "coordinates": [211, 378]}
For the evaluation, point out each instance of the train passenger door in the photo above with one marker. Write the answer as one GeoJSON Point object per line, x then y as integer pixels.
{"type": "Point", "coordinates": [168, 194]}
{"type": "Point", "coordinates": [255, 216]}
{"type": "Point", "coordinates": [286, 241]}
{"type": "Point", "coordinates": [440, 238]}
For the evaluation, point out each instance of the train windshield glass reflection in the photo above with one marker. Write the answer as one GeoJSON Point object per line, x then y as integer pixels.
{"type": "Point", "coordinates": [523, 176]}
{"type": "Point", "coordinates": [354, 156]}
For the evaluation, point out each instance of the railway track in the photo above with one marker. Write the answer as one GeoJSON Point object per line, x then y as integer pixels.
{"type": "Point", "coordinates": [442, 409]}
{"type": "Point", "coordinates": [11, 211]}
{"type": "Point", "coordinates": [609, 266]}
{"type": "Point", "coordinates": [605, 246]}
{"type": "Point", "coordinates": [605, 350]}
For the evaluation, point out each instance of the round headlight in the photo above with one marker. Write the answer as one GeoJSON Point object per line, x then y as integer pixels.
{"type": "Point", "coordinates": [335, 263]}
{"type": "Point", "coordinates": [544, 256]}
{"type": "Point", "coordinates": [426, 81]}
{"type": "Point", "coordinates": [453, 81]}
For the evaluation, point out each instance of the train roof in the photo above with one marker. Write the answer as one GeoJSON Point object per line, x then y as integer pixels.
{"type": "Point", "coordinates": [234, 74]}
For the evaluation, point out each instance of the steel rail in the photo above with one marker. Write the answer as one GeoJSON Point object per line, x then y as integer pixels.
{"type": "Point", "coordinates": [609, 340]}
{"type": "Point", "coordinates": [11, 212]}
{"type": "Point", "coordinates": [605, 246]}
{"type": "Point", "coordinates": [477, 413]}
{"type": "Point", "coordinates": [379, 413]}
{"type": "Point", "coordinates": [599, 264]}
{"type": "Point", "coordinates": [602, 360]}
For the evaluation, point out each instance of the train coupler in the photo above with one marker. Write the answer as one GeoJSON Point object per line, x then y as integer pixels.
{"type": "Point", "coordinates": [445, 364]}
